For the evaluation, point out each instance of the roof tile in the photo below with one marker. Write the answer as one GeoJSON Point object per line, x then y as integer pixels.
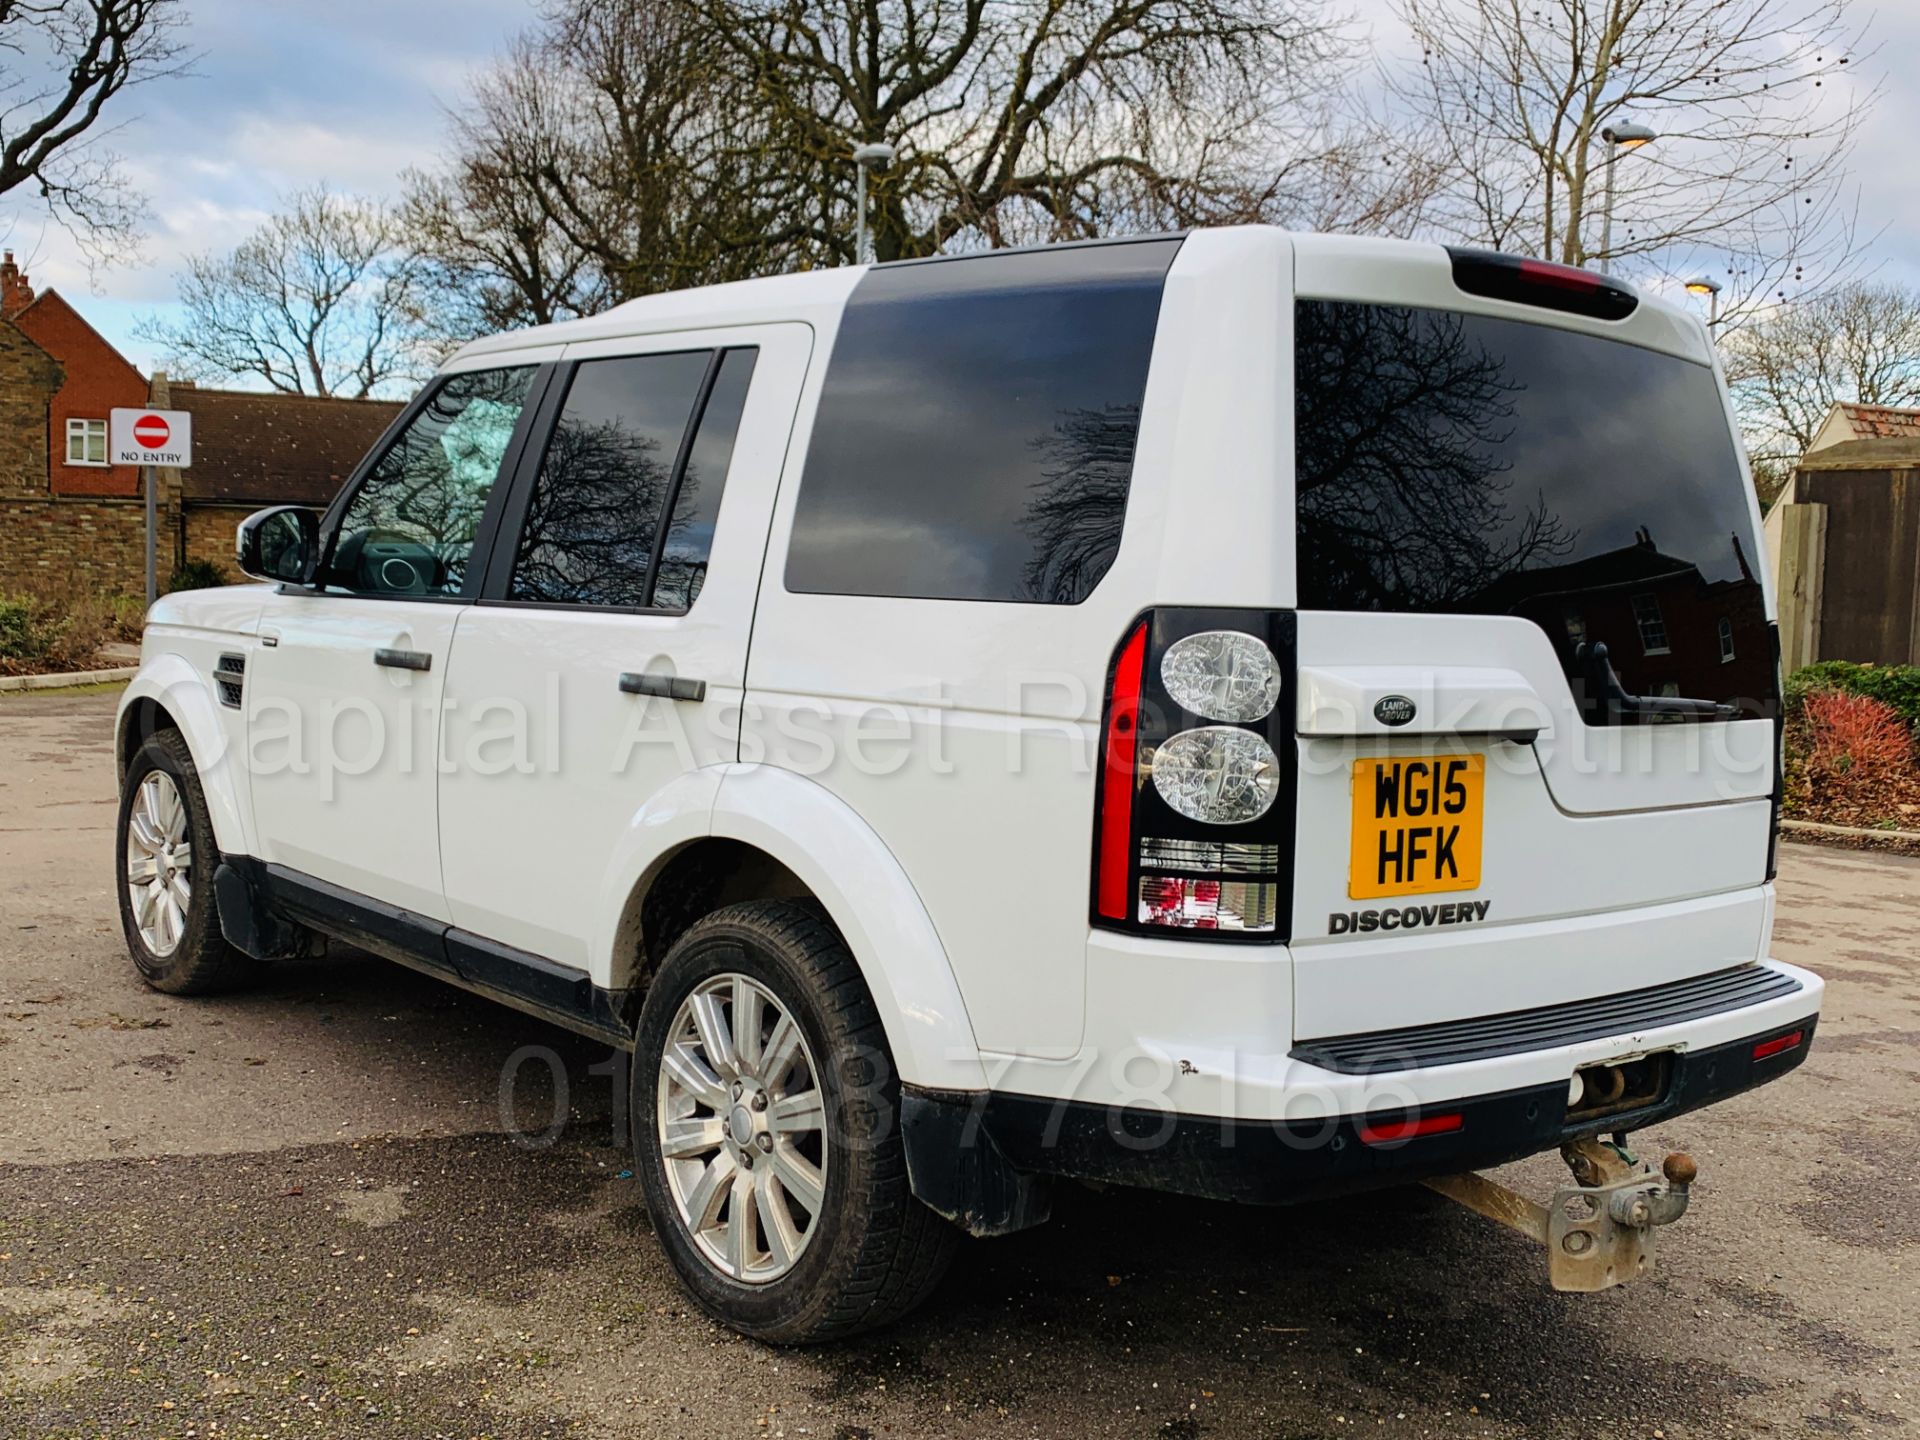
{"type": "Point", "coordinates": [270, 449]}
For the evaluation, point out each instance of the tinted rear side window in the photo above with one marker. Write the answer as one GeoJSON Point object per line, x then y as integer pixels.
{"type": "Point", "coordinates": [689, 540]}
{"type": "Point", "coordinates": [1461, 464]}
{"type": "Point", "coordinates": [975, 433]}
{"type": "Point", "coordinates": [589, 533]}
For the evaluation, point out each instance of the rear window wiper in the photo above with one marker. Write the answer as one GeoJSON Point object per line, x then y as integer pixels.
{"type": "Point", "coordinates": [1605, 695]}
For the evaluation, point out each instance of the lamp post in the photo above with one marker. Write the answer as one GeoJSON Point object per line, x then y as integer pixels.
{"type": "Point", "coordinates": [876, 156]}
{"type": "Point", "coordinates": [1625, 136]}
{"type": "Point", "coordinates": [1708, 286]}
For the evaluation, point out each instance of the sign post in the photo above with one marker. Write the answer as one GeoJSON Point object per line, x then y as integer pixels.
{"type": "Point", "coordinates": [150, 438]}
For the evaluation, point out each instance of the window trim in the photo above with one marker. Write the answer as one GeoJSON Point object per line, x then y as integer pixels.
{"type": "Point", "coordinates": [82, 423]}
{"type": "Point", "coordinates": [479, 563]}
{"type": "Point", "coordinates": [1659, 620]}
{"type": "Point", "coordinates": [1725, 633]}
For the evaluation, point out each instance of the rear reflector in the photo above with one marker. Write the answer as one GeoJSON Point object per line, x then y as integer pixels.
{"type": "Point", "coordinates": [1779, 1045]}
{"type": "Point", "coordinates": [1538, 282]}
{"type": "Point", "coordinates": [1392, 1130]}
{"type": "Point", "coordinates": [1117, 779]}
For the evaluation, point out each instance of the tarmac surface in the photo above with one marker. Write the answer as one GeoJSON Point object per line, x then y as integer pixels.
{"type": "Point", "coordinates": [296, 1211]}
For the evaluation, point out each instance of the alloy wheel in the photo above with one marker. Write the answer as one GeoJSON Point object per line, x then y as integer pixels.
{"type": "Point", "coordinates": [159, 863]}
{"type": "Point", "coordinates": [742, 1128]}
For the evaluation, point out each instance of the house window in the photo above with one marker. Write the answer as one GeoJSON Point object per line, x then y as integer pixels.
{"type": "Point", "coordinates": [86, 442]}
{"type": "Point", "coordinates": [1653, 627]}
{"type": "Point", "coordinates": [1726, 639]}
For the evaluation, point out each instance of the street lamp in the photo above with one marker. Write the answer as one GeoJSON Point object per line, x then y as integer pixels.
{"type": "Point", "coordinates": [1708, 286]}
{"type": "Point", "coordinates": [876, 156]}
{"type": "Point", "coordinates": [1625, 136]}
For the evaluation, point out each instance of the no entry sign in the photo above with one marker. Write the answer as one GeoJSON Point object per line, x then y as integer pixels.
{"type": "Point", "coordinates": [150, 437]}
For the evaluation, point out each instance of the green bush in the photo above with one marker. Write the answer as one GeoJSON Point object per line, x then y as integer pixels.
{"type": "Point", "coordinates": [196, 575]}
{"type": "Point", "coordinates": [23, 635]}
{"type": "Point", "coordinates": [1895, 685]}
{"type": "Point", "coordinates": [51, 632]}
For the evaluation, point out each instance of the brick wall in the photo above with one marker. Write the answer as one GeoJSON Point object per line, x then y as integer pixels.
{"type": "Point", "coordinates": [207, 532]}
{"type": "Point", "coordinates": [56, 546]}
{"type": "Point", "coordinates": [28, 378]}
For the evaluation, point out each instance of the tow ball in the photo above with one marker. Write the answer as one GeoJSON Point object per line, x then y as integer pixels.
{"type": "Point", "coordinates": [1599, 1230]}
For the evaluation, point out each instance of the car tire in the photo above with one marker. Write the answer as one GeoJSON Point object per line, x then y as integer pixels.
{"type": "Point", "coordinates": [868, 1252]}
{"type": "Point", "coordinates": [175, 940]}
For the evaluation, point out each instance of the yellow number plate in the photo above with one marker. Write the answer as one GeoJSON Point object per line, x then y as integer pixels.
{"type": "Point", "coordinates": [1416, 825]}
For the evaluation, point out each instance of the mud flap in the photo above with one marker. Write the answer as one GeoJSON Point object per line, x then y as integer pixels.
{"type": "Point", "coordinates": [957, 1171]}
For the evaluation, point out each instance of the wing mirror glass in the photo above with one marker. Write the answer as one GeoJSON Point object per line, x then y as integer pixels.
{"type": "Point", "coordinates": [279, 544]}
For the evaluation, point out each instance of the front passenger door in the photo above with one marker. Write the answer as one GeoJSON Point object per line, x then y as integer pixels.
{"type": "Point", "coordinates": [344, 692]}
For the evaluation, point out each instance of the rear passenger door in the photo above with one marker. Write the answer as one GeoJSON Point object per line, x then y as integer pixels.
{"type": "Point", "coordinates": [607, 653]}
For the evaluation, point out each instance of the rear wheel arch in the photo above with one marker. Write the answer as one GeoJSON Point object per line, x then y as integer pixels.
{"type": "Point", "coordinates": [761, 833]}
{"type": "Point", "coordinates": [684, 886]}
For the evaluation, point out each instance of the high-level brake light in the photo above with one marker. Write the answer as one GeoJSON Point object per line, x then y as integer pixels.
{"type": "Point", "coordinates": [1539, 282]}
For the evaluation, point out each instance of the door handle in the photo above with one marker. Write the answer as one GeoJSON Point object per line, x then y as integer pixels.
{"type": "Point", "coordinates": [403, 659]}
{"type": "Point", "coordinates": [668, 687]}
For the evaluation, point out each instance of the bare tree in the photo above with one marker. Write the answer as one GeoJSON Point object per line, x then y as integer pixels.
{"type": "Point", "coordinates": [641, 148]}
{"type": "Point", "coordinates": [1856, 342]}
{"type": "Point", "coordinates": [323, 299]}
{"type": "Point", "coordinates": [62, 62]}
{"type": "Point", "coordinates": [1024, 120]}
{"type": "Point", "coordinates": [606, 155]}
{"type": "Point", "coordinates": [1755, 102]}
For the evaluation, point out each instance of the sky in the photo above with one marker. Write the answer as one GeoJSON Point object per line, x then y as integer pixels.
{"type": "Point", "coordinates": [286, 93]}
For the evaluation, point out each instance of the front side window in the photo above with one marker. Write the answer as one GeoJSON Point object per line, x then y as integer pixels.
{"type": "Point", "coordinates": [1458, 464]}
{"type": "Point", "coordinates": [409, 528]}
{"type": "Point", "coordinates": [975, 433]}
{"type": "Point", "coordinates": [86, 442]}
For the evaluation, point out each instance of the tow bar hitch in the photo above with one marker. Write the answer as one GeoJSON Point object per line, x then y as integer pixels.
{"type": "Point", "coordinates": [1599, 1230]}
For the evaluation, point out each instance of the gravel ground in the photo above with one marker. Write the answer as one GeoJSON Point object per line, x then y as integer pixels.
{"type": "Point", "coordinates": [297, 1212]}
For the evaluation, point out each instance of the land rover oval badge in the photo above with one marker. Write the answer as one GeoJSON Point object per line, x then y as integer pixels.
{"type": "Point", "coordinates": [1393, 710]}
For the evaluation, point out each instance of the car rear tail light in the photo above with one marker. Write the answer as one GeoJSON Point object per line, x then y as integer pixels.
{"type": "Point", "coordinates": [1222, 675]}
{"type": "Point", "coordinates": [1118, 778]}
{"type": "Point", "coordinates": [1779, 1045]}
{"type": "Point", "coordinates": [1539, 282]}
{"type": "Point", "coordinates": [1392, 1132]}
{"type": "Point", "coordinates": [1194, 830]}
{"type": "Point", "coordinates": [1218, 773]}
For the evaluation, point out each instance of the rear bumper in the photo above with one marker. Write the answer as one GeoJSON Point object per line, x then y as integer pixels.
{"type": "Point", "coordinates": [984, 1159]}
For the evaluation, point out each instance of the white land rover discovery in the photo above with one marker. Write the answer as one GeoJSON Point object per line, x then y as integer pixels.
{"type": "Point", "coordinates": [1251, 714]}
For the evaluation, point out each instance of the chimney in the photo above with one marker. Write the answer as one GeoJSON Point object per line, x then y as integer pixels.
{"type": "Point", "coordinates": [15, 293]}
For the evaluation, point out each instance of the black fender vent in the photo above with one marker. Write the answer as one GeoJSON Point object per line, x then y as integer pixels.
{"type": "Point", "coordinates": [230, 678]}
{"type": "Point", "coordinates": [1482, 1037]}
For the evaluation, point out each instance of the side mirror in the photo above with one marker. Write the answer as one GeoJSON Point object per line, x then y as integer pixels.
{"type": "Point", "coordinates": [279, 544]}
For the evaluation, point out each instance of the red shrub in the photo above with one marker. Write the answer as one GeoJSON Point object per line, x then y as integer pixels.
{"type": "Point", "coordinates": [1855, 736]}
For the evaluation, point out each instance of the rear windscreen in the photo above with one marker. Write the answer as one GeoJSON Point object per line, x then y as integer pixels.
{"type": "Point", "coordinates": [1466, 465]}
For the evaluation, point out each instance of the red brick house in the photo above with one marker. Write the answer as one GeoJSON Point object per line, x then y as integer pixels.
{"type": "Point", "coordinates": [253, 449]}
{"type": "Point", "coordinates": [97, 378]}
{"type": "Point", "coordinates": [71, 522]}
